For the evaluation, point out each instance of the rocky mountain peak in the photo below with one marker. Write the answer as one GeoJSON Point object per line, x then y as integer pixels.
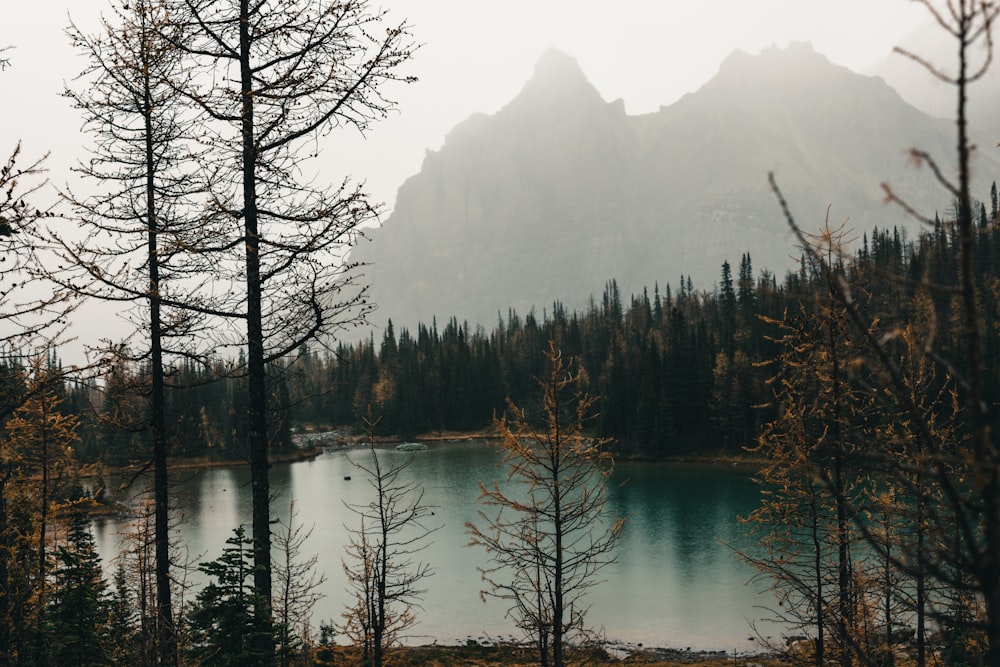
{"type": "Point", "coordinates": [795, 67]}
{"type": "Point", "coordinates": [557, 82]}
{"type": "Point", "coordinates": [559, 191]}
{"type": "Point", "coordinates": [796, 54]}
{"type": "Point", "coordinates": [554, 65]}
{"type": "Point", "coordinates": [794, 79]}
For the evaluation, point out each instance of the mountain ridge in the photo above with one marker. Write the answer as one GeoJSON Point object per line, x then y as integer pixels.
{"type": "Point", "coordinates": [560, 191]}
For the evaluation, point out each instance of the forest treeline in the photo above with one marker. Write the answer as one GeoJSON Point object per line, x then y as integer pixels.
{"type": "Point", "coordinates": [865, 380]}
{"type": "Point", "coordinates": [857, 539]}
{"type": "Point", "coordinates": [679, 371]}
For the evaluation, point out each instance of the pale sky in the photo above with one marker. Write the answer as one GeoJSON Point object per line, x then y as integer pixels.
{"type": "Point", "coordinates": [475, 56]}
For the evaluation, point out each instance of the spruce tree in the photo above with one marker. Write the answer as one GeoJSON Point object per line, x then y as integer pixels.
{"type": "Point", "coordinates": [78, 614]}
{"type": "Point", "coordinates": [223, 625]}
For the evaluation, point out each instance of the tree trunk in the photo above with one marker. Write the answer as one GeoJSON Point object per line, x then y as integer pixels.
{"type": "Point", "coordinates": [987, 475]}
{"type": "Point", "coordinates": [166, 638]}
{"type": "Point", "coordinates": [257, 391]}
{"type": "Point", "coordinates": [820, 648]}
{"type": "Point", "coordinates": [921, 584]}
{"type": "Point", "coordinates": [44, 510]}
{"type": "Point", "coordinates": [557, 529]}
{"type": "Point", "coordinates": [845, 611]}
{"type": "Point", "coordinates": [990, 569]}
{"type": "Point", "coordinates": [5, 620]}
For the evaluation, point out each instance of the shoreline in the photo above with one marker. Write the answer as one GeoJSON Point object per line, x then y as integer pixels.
{"type": "Point", "coordinates": [311, 444]}
{"type": "Point", "coordinates": [502, 654]}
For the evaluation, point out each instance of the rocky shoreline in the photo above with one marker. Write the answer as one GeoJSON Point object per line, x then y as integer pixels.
{"type": "Point", "coordinates": [344, 439]}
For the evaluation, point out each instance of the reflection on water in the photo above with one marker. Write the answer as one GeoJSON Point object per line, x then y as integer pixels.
{"type": "Point", "coordinates": [677, 581]}
{"type": "Point", "coordinates": [677, 562]}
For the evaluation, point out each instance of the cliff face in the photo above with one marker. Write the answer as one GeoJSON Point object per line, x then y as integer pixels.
{"type": "Point", "coordinates": [560, 191]}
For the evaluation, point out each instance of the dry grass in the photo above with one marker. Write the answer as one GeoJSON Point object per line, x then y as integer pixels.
{"type": "Point", "coordinates": [478, 655]}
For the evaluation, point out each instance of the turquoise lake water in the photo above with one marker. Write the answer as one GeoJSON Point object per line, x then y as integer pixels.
{"type": "Point", "coordinates": [677, 581]}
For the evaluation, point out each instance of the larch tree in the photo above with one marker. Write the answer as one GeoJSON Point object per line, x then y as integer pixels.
{"type": "Point", "coordinates": [141, 247]}
{"type": "Point", "coordinates": [135, 582]}
{"type": "Point", "coordinates": [32, 318]}
{"type": "Point", "coordinates": [36, 452]}
{"type": "Point", "coordinates": [296, 590]}
{"type": "Point", "coordinates": [271, 81]}
{"type": "Point", "coordinates": [548, 531]}
{"type": "Point", "coordinates": [954, 480]}
{"type": "Point", "coordinates": [32, 313]}
{"type": "Point", "coordinates": [135, 586]}
{"type": "Point", "coordinates": [811, 483]}
{"type": "Point", "coordinates": [40, 441]}
{"type": "Point", "coordinates": [914, 508]}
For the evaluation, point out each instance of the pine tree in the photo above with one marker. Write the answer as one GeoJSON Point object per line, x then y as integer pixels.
{"type": "Point", "coordinates": [222, 623]}
{"type": "Point", "coordinates": [727, 306]}
{"type": "Point", "coordinates": [993, 203]}
{"type": "Point", "coordinates": [745, 296]}
{"type": "Point", "coordinates": [78, 614]}
{"type": "Point", "coordinates": [124, 623]}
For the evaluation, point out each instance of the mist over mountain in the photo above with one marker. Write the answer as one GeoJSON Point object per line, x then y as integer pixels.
{"type": "Point", "coordinates": [933, 95]}
{"type": "Point", "coordinates": [561, 191]}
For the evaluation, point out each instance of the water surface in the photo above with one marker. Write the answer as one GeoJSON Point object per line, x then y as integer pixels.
{"type": "Point", "coordinates": [677, 581]}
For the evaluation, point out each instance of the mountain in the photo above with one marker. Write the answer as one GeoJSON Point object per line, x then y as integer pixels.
{"type": "Point", "coordinates": [561, 191]}
{"type": "Point", "coordinates": [932, 95]}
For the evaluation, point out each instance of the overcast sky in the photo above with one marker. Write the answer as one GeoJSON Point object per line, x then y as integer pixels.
{"type": "Point", "coordinates": [475, 55]}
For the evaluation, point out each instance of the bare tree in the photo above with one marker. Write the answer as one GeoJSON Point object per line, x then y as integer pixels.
{"type": "Point", "coordinates": [382, 572]}
{"type": "Point", "coordinates": [271, 80]}
{"type": "Point", "coordinates": [136, 578]}
{"type": "Point", "coordinates": [140, 243]}
{"type": "Point", "coordinates": [953, 481]}
{"type": "Point", "coordinates": [552, 532]}
{"type": "Point", "coordinates": [31, 317]}
{"type": "Point", "coordinates": [297, 584]}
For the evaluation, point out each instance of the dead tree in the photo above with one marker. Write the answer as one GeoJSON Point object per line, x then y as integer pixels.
{"type": "Point", "coordinates": [383, 576]}
{"type": "Point", "coordinates": [141, 248]}
{"type": "Point", "coordinates": [270, 81]}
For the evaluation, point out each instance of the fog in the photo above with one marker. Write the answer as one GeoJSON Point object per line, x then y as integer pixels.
{"type": "Point", "coordinates": [473, 56]}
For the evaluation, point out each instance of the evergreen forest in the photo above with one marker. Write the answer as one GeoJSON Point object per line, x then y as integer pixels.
{"type": "Point", "coordinates": [862, 382]}
{"type": "Point", "coordinates": [679, 371]}
{"type": "Point", "coordinates": [742, 370]}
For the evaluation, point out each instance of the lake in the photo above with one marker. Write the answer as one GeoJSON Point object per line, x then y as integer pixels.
{"type": "Point", "coordinates": [677, 581]}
